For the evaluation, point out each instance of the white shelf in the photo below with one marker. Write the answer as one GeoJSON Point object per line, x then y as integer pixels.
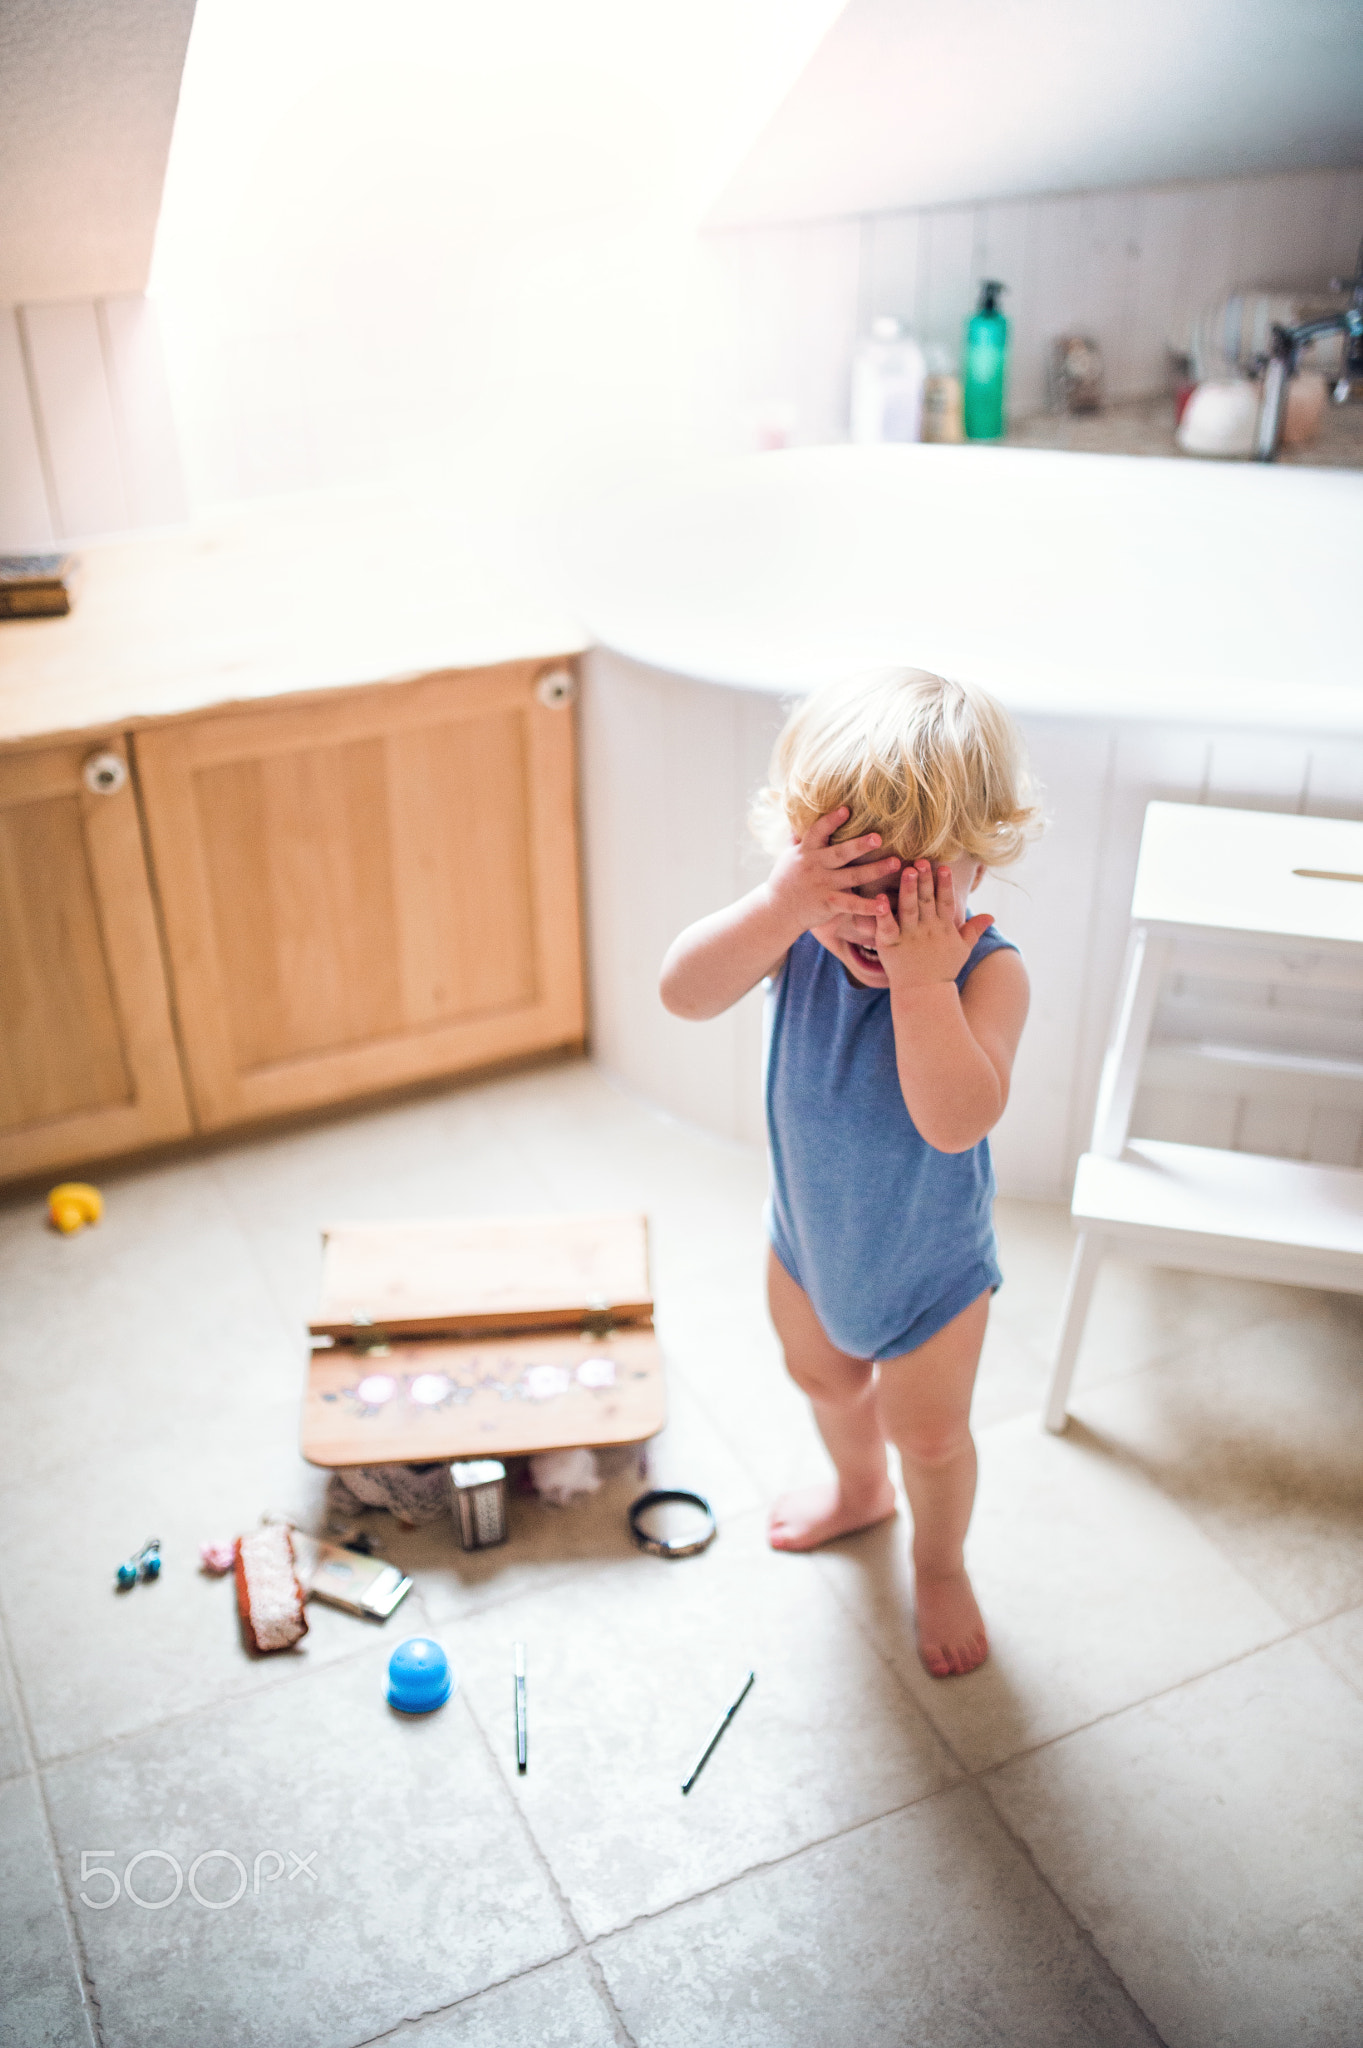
{"type": "Point", "coordinates": [1251, 871]}
{"type": "Point", "coordinates": [1212, 1211]}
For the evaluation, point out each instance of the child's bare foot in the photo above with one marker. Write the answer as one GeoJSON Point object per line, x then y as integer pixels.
{"type": "Point", "coordinates": [816, 1514]}
{"type": "Point", "coordinates": [951, 1637]}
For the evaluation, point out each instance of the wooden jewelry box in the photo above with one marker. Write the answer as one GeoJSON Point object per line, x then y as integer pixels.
{"type": "Point", "coordinates": [495, 1337]}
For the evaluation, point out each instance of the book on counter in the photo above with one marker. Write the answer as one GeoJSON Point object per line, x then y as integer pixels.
{"type": "Point", "coordinates": [36, 586]}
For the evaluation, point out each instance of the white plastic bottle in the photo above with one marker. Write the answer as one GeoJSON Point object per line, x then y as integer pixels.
{"type": "Point", "coordinates": [887, 386]}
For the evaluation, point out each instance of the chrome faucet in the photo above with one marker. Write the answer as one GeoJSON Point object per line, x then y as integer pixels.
{"type": "Point", "coordinates": [1285, 353]}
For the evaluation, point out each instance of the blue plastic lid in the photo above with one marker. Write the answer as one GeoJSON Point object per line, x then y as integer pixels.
{"type": "Point", "coordinates": [419, 1676]}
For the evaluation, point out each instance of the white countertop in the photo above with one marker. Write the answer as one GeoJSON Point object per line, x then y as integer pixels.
{"type": "Point", "coordinates": [1067, 584]}
{"type": "Point", "coordinates": [280, 595]}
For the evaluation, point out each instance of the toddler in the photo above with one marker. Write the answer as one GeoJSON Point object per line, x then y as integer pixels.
{"type": "Point", "coordinates": [894, 1017]}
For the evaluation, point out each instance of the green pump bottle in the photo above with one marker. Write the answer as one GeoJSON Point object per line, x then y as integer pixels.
{"type": "Point", "coordinates": [986, 356]}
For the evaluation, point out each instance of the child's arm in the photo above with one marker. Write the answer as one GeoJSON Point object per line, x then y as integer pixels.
{"type": "Point", "coordinates": [720, 957]}
{"type": "Point", "coordinates": [954, 1052]}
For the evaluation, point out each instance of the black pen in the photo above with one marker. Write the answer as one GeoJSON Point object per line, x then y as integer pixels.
{"type": "Point", "coordinates": [520, 1707]}
{"type": "Point", "coordinates": [721, 1724]}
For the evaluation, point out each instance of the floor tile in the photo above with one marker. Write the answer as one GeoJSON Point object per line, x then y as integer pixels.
{"type": "Point", "coordinates": [1260, 1438]}
{"type": "Point", "coordinates": [1012, 1375]}
{"type": "Point", "coordinates": [1212, 1842]}
{"type": "Point", "coordinates": [13, 1753]}
{"type": "Point", "coordinates": [1036, 1244]}
{"type": "Point", "coordinates": [718, 1334]}
{"type": "Point", "coordinates": [1140, 1314]}
{"type": "Point", "coordinates": [548, 1544]}
{"type": "Point", "coordinates": [928, 1927]}
{"type": "Point", "coordinates": [1340, 1642]}
{"type": "Point", "coordinates": [561, 2006]}
{"type": "Point", "coordinates": [426, 1888]}
{"type": "Point", "coordinates": [166, 1238]}
{"type": "Point", "coordinates": [1096, 1590]}
{"type": "Point", "coordinates": [627, 1672]}
{"type": "Point", "coordinates": [42, 2006]}
{"type": "Point", "coordinates": [1205, 1501]}
{"type": "Point", "coordinates": [1151, 1315]}
{"type": "Point", "coordinates": [152, 1391]}
{"type": "Point", "coordinates": [454, 1154]}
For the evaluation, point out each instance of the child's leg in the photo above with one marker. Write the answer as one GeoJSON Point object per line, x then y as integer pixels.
{"type": "Point", "coordinates": [842, 1391]}
{"type": "Point", "coordinates": [925, 1411]}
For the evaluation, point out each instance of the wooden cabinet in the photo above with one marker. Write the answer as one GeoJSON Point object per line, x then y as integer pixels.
{"type": "Point", "coordinates": [366, 889]}
{"type": "Point", "coordinates": [340, 894]}
{"type": "Point", "coordinates": [88, 1059]}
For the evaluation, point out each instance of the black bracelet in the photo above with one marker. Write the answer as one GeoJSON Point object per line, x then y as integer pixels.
{"type": "Point", "coordinates": [659, 1546]}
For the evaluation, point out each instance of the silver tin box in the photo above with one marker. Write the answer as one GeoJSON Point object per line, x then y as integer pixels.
{"type": "Point", "coordinates": [480, 1502]}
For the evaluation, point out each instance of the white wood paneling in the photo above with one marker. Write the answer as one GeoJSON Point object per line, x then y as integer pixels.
{"type": "Point", "coordinates": [25, 517]}
{"type": "Point", "coordinates": [760, 720]}
{"type": "Point", "coordinates": [668, 770]}
{"type": "Point", "coordinates": [88, 443]}
{"type": "Point", "coordinates": [1168, 286]}
{"type": "Point", "coordinates": [75, 418]}
{"type": "Point", "coordinates": [1334, 780]}
{"type": "Point", "coordinates": [1047, 905]}
{"type": "Point", "coordinates": [946, 275]}
{"type": "Point", "coordinates": [1346, 222]}
{"type": "Point", "coordinates": [1130, 267]}
{"type": "Point", "coordinates": [147, 445]}
{"type": "Point", "coordinates": [1112, 221]}
{"type": "Point", "coordinates": [1257, 771]}
{"type": "Point", "coordinates": [1336, 1137]}
{"type": "Point", "coordinates": [890, 251]}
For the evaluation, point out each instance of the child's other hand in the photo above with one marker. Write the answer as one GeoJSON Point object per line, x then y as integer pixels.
{"type": "Point", "coordinates": [925, 943]}
{"type": "Point", "coordinates": [809, 883]}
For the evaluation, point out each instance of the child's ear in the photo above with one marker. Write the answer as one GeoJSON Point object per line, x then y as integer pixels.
{"type": "Point", "coordinates": [980, 872]}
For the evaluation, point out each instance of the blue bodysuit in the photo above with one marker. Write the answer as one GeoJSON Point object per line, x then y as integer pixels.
{"type": "Point", "coordinates": [889, 1238]}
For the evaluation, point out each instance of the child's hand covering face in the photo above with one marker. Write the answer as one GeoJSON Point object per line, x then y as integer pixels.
{"type": "Point", "coordinates": [810, 883]}
{"type": "Point", "coordinates": [926, 939]}
{"type": "Point", "coordinates": [930, 939]}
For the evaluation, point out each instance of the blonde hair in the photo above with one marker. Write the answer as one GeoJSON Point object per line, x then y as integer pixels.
{"type": "Point", "coordinates": [935, 768]}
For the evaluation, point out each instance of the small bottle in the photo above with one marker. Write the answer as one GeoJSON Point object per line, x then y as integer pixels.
{"type": "Point", "coordinates": [941, 398]}
{"type": "Point", "coordinates": [887, 386]}
{"type": "Point", "coordinates": [986, 354]}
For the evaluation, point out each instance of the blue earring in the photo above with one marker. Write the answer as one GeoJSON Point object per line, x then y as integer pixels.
{"type": "Point", "coordinates": [144, 1564]}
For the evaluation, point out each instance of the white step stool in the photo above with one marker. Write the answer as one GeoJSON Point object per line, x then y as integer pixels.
{"type": "Point", "coordinates": [1213, 874]}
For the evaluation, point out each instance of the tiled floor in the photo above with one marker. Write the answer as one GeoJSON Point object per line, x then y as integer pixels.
{"type": "Point", "coordinates": [1141, 1821]}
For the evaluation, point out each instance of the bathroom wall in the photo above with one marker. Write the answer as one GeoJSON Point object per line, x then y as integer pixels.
{"type": "Point", "coordinates": [88, 94]}
{"type": "Point", "coordinates": [786, 303]}
{"type": "Point", "coordinates": [562, 348]}
{"type": "Point", "coordinates": [88, 444]}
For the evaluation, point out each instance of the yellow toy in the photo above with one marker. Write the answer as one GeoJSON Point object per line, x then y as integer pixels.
{"type": "Point", "coordinates": [74, 1204]}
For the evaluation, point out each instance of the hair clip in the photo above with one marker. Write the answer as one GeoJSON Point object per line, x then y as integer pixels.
{"type": "Point", "coordinates": [662, 1546]}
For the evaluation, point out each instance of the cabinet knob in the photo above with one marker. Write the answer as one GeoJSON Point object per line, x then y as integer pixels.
{"type": "Point", "coordinates": [104, 774]}
{"type": "Point", "coordinates": [556, 687]}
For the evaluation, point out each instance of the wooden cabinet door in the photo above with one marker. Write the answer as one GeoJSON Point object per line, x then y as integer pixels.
{"type": "Point", "coordinates": [88, 1063]}
{"type": "Point", "coordinates": [366, 889]}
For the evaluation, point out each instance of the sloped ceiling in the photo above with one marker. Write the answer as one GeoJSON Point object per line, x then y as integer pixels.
{"type": "Point", "coordinates": [921, 102]}
{"type": "Point", "coordinates": [88, 90]}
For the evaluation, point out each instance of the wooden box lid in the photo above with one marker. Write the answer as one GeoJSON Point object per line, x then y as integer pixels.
{"type": "Point", "coordinates": [467, 1276]}
{"type": "Point", "coordinates": [497, 1396]}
